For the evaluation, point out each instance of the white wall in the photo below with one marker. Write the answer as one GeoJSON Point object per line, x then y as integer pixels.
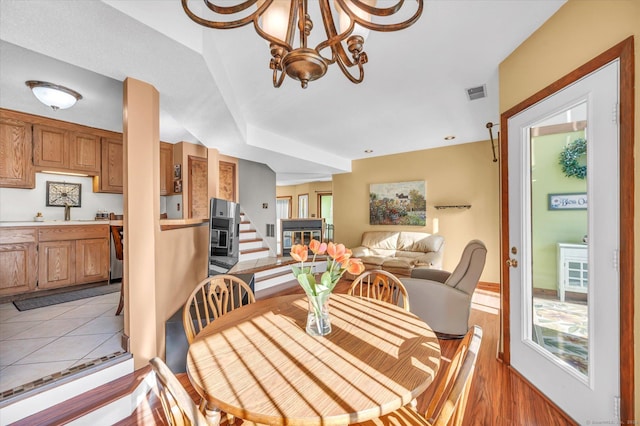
{"type": "Point", "coordinates": [257, 184]}
{"type": "Point", "coordinates": [23, 204]}
{"type": "Point", "coordinates": [172, 206]}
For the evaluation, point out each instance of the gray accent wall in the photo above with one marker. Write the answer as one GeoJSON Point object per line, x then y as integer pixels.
{"type": "Point", "coordinates": [257, 184]}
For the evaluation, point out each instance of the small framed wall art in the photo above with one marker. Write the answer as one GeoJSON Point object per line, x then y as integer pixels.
{"type": "Point", "coordinates": [60, 194]}
{"type": "Point", "coordinates": [572, 201]}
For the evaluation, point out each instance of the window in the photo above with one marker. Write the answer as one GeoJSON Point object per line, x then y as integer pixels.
{"type": "Point", "coordinates": [283, 211]}
{"type": "Point", "coordinates": [303, 206]}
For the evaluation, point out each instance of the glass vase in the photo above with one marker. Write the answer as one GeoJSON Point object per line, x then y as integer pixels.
{"type": "Point", "coordinates": [318, 321]}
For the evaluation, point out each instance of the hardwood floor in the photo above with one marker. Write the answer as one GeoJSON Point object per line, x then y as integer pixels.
{"type": "Point", "coordinates": [498, 395]}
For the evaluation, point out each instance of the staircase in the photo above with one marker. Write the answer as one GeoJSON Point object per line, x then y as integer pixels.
{"type": "Point", "coordinates": [252, 246]}
{"type": "Point", "coordinates": [271, 273]}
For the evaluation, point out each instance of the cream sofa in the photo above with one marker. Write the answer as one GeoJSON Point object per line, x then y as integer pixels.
{"type": "Point", "coordinates": [399, 252]}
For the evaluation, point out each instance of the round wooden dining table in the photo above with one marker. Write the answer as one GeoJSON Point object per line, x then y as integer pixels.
{"type": "Point", "coordinates": [259, 364]}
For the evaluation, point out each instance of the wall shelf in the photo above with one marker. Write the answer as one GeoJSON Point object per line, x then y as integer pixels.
{"type": "Point", "coordinates": [458, 206]}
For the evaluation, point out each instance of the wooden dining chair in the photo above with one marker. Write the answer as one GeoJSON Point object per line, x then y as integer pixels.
{"type": "Point", "coordinates": [449, 401]}
{"type": "Point", "coordinates": [178, 407]}
{"type": "Point", "coordinates": [117, 232]}
{"type": "Point", "coordinates": [380, 285]}
{"type": "Point", "coordinates": [213, 297]}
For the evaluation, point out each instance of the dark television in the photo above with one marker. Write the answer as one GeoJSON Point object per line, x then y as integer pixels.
{"type": "Point", "coordinates": [224, 229]}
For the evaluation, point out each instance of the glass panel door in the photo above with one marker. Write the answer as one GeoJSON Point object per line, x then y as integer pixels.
{"type": "Point", "coordinates": [558, 161]}
{"type": "Point", "coordinates": [563, 232]}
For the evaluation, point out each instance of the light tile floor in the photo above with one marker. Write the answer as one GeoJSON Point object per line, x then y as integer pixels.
{"type": "Point", "coordinates": [43, 341]}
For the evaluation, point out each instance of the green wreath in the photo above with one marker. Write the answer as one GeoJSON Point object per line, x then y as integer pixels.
{"type": "Point", "coordinates": [570, 159]}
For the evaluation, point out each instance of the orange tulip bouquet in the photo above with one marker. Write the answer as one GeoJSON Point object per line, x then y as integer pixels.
{"type": "Point", "coordinates": [318, 323]}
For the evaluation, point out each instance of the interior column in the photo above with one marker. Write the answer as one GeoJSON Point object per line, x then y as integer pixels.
{"type": "Point", "coordinates": [141, 130]}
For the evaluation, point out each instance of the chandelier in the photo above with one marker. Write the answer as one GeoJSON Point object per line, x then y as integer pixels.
{"type": "Point", "coordinates": [277, 21]}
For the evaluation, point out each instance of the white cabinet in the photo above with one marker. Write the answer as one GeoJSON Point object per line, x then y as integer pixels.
{"type": "Point", "coordinates": [573, 268]}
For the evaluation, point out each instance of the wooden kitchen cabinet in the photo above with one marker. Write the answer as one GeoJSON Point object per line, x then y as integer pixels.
{"type": "Point", "coordinates": [112, 167]}
{"type": "Point", "coordinates": [38, 144]}
{"type": "Point", "coordinates": [166, 168]}
{"type": "Point", "coordinates": [16, 166]}
{"type": "Point", "coordinates": [18, 260]}
{"type": "Point", "coordinates": [50, 148]}
{"type": "Point", "coordinates": [92, 260]}
{"type": "Point", "coordinates": [62, 150]}
{"type": "Point", "coordinates": [84, 153]}
{"type": "Point", "coordinates": [71, 255]}
{"type": "Point", "coordinates": [56, 260]}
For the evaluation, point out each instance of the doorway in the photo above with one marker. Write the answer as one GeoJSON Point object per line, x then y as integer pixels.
{"type": "Point", "coordinates": [598, 273]}
{"type": "Point", "coordinates": [325, 211]}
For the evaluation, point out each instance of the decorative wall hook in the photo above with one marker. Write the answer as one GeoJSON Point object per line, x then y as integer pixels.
{"type": "Point", "coordinates": [493, 146]}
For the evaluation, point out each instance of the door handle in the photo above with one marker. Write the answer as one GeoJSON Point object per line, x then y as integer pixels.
{"type": "Point", "coordinates": [513, 263]}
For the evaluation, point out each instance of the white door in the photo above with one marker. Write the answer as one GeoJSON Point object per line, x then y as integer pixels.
{"type": "Point", "coordinates": [563, 233]}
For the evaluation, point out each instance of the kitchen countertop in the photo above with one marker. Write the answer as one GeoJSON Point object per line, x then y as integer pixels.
{"type": "Point", "coordinates": [55, 223]}
{"type": "Point", "coordinates": [165, 224]}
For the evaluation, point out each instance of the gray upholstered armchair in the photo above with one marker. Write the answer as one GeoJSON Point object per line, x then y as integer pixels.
{"type": "Point", "coordinates": [443, 299]}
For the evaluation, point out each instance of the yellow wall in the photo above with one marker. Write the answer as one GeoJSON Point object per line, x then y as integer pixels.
{"type": "Point", "coordinates": [578, 32]}
{"type": "Point", "coordinates": [460, 174]}
{"type": "Point", "coordinates": [312, 188]}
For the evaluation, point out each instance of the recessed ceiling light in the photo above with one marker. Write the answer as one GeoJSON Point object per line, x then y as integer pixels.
{"type": "Point", "coordinates": [449, 138]}
{"type": "Point", "coordinates": [368, 151]}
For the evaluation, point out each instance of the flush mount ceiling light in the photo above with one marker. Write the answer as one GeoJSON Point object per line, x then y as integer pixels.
{"type": "Point", "coordinates": [52, 95]}
{"type": "Point", "coordinates": [277, 21]}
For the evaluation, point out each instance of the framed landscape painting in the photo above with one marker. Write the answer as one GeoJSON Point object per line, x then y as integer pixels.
{"type": "Point", "coordinates": [402, 203]}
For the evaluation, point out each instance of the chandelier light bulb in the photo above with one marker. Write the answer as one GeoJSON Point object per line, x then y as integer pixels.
{"type": "Point", "coordinates": [345, 21]}
{"type": "Point", "coordinates": [275, 19]}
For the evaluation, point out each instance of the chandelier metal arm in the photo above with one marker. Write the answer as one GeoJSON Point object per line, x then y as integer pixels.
{"type": "Point", "coordinates": [335, 40]}
{"type": "Point", "coordinates": [378, 11]}
{"type": "Point", "coordinates": [329, 27]}
{"type": "Point", "coordinates": [344, 67]}
{"type": "Point", "coordinates": [381, 12]}
{"type": "Point", "coordinates": [302, 23]}
{"type": "Point", "coordinates": [228, 10]}
{"type": "Point", "coordinates": [225, 10]}
{"type": "Point", "coordinates": [278, 79]}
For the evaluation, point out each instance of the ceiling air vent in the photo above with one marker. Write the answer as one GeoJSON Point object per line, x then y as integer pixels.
{"type": "Point", "coordinates": [477, 92]}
